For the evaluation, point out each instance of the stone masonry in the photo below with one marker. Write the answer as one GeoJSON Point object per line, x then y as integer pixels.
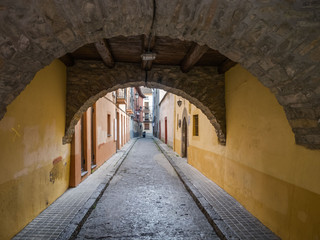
{"type": "Point", "coordinates": [277, 41]}
{"type": "Point", "coordinates": [90, 80]}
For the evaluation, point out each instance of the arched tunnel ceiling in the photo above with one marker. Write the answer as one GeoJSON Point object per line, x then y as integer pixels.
{"type": "Point", "coordinates": [95, 68]}
{"type": "Point", "coordinates": [277, 41]}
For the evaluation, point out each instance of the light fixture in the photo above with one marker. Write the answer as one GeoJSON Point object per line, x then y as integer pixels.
{"type": "Point", "coordinates": [149, 56]}
{"type": "Point", "coordinates": [179, 102]}
{"type": "Point", "coordinates": [137, 95]}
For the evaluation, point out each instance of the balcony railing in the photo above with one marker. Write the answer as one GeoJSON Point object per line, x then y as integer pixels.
{"type": "Point", "coordinates": [146, 109]}
{"type": "Point", "coordinates": [147, 119]}
{"type": "Point", "coordinates": [130, 111]}
{"type": "Point", "coordinates": [121, 96]}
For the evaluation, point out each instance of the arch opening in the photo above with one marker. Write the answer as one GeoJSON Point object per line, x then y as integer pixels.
{"type": "Point", "coordinates": [88, 81]}
{"type": "Point", "coordinates": [283, 53]}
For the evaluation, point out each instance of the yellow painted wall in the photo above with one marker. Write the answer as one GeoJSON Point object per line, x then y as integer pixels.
{"type": "Point", "coordinates": [261, 166]}
{"type": "Point", "coordinates": [34, 163]}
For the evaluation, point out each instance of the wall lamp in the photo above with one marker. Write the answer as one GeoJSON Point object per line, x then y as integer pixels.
{"type": "Point", "coordinates": [149, 56]}
{"type": "Point", "coordinates": [179, 102]}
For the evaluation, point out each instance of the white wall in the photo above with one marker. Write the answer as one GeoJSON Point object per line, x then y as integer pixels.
{"type": "Point", "coordinates": [167, 110]}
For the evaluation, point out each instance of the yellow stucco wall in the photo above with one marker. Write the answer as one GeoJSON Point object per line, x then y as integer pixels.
{"type": "Point", "coordinates": [34, 163]}
{"type": "Point", "coordinates": [261, 166]}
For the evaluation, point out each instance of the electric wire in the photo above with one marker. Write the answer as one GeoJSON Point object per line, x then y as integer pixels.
{"type": "Point", "coordinates": [150, 36]}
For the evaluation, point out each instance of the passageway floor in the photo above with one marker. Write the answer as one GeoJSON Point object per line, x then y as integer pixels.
{"type": "Point", "coordinates": [146, 200]}
{"type": "Point", "coordinates": [224, 212]}
{"type": "Point", "coordinates": [144, 195]}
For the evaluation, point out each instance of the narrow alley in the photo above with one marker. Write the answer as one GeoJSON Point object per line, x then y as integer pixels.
{"type": "Point", "coordinates": [146, 200]}
{"type": "Point", "coordinates": [162, 119]}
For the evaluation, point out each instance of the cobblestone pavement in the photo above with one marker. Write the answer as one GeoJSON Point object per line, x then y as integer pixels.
{"type": "Point", "coordinates": [146, 200]}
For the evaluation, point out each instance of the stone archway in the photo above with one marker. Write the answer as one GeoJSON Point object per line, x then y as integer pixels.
{"type": "Point", "coordinates": [90, 80]}
{"type": "Point", "coordinates": [277, 41]}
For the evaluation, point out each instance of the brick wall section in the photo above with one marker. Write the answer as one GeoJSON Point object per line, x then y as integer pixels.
{"type": "Point", "coordinates": [90, 80]}
{"type": "Point", "coordinates": [277, 41]}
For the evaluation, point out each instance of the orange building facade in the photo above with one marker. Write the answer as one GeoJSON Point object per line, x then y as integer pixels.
{"type": "Point", "coordinates": [103, 129]}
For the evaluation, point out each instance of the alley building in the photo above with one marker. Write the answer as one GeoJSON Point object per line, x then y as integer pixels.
{"type": "Point", "coordinates": [103, 129]}
{"type": "Point", "coordinates": [242, 106]}
{"type": "Point", "coordinates": [147, 111]}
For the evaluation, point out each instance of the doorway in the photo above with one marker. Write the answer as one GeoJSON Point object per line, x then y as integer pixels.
{"type": "Point", "coordinates": [165, 131]}
{"type": "Point", "coordinates": [93, 137]}
{"type": "Point", "coordinates": [117, 130]}
{"type": "Point", "coordinates": [184, 138]}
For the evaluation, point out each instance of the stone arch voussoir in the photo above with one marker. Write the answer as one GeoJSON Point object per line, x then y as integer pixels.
{"type": "Point", "coordinates": [90, 80]}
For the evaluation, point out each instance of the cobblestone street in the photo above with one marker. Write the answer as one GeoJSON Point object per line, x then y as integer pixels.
{"type": "Point", "coordinates": [146, 200]}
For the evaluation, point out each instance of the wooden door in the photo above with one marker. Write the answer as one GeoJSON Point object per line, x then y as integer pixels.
{"type": "Point", "coordinates": [165, 131]}
{"type": "Point", "coordinates": [184, 138]}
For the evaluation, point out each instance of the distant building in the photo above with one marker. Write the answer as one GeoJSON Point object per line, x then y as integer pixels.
{"type": "Point", "coordinates": [103, 129]}
{"type": "Point", "coordinates": [158, 94]}
{"type": "Point", "coordinates": [147, 111]}
{"type": "Point", "coordinates": [136, 104]}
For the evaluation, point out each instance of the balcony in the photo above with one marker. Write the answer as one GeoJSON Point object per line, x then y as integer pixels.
{"type": "Point", "coordinates": [121, 96]}
{"type": "Point", "coordinates": [130, 111]}
{"type": "Point", "coordinates": [146, 109]}
{"type": "Point", "coordinates": [147, 119]}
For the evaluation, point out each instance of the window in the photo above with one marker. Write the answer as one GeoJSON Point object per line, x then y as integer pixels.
{"type": "Point", "coordinates": [146, 126]}
{"type": "Point", "coordinates": [109, 125]}
{"type": "Point", "coordinates": [146, 105]}
{"type": "Point", "coordinates": [196, 125]}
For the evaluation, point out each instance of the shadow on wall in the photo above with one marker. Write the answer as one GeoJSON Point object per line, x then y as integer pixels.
{"type": "Point", "coordinates": [261, 166]}
{"type": "Point", "coordinates": [31, 146]}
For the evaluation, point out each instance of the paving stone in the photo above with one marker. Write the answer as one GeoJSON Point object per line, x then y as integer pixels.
{"type": "Point", "coordinates": [146, 200]}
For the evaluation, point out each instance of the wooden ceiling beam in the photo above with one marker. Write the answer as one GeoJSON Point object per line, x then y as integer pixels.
{"type": "Point", "coordinates": [225, 66]}
{"type": "Point", "coordinates": [146, 65]}
{"type": "Point", "coordinates": [67, 59]}
{"type": "Point", "coordinates": [193, 56]}
{"type": "Point", "coordinates": [104, 51]}
{"type": "Point", "coordinates": [146, 42]}
{"type": "Point", "coordinates": [147, 47]}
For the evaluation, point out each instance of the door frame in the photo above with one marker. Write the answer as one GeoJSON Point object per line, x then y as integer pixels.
{"type": "Point", "coordinates": [165, 130]}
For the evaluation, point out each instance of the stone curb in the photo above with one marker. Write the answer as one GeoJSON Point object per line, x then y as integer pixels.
{"type": "Point", "coordinates": [72, 230]}
{"type": "Point", "coordinates": [218, 224]}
